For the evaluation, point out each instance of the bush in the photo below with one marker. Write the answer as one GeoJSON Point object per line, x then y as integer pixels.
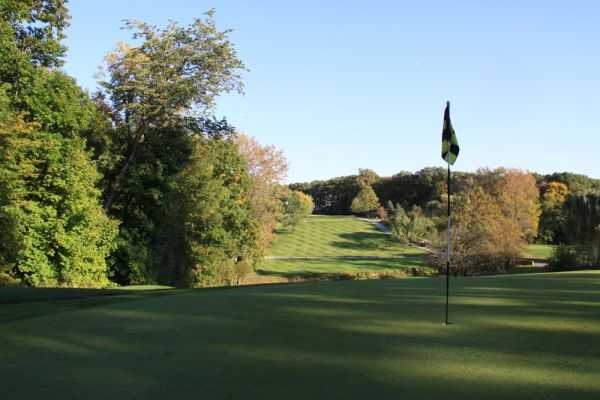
{"type": "Point", "coordinates": [563, 257]}
{"type": "Point", "coordinates": [410, 227]}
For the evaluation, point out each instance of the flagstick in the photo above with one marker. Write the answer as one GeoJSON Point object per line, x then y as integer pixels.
{"type": "Point", "coordinates": [449, 249]}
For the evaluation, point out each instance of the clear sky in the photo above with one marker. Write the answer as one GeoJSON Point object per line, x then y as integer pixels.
{"type": "Point", "coordinates": [342, 85]}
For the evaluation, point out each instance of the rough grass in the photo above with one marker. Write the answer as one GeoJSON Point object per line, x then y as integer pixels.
{"type": "Point", "coordinates": [519, 337]}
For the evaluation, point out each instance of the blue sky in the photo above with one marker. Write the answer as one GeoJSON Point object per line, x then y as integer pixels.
{"type": "Point", "coordinates": [354, 84]}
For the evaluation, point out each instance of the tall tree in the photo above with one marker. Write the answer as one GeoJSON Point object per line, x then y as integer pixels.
{"type": "Point", "coordinates": [366, 200]}
{"type": "Point", "coordinates": [212, 231]}
{"type": "Point", "coordinates": [173, 73]}
{"type": "Point", "coordinates": [552, 219]}
{"type": "Point", "coordinates": [53, 228]}
{"type": "Point", "coordinates": [267, 167]}
{"type": "Point", "coordinates": [519, 200]}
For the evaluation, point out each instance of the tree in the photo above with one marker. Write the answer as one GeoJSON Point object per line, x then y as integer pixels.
{"type": "Point", "coordinates": [483, 238]}
{"type": "Point", "coordinates": [366, 200]}
{"type": "Point", "coordinates": [267, 167]}
{"type": "Point", "coordinates": [552, 219]}
{"type": "Point", "coordinates": [32, 32]}
{"type": "Point", "coordinates": [519, 200]}
{"type": "Point", "coordinates": [582, 225]}
{"type": "Point", "coordinates": [367, 176]}
{"type": "Point", "coordinates": [296, 207]}
{"type": "Point", "coordinates": [212, 231]}
{"type": "Point", "coordinates": [174, 73]}
{"type": "Point", "coordinates": [54, 230]}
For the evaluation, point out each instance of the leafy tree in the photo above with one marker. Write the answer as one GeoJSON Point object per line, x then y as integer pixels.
{"type": "Point", "coordinates": [32, 31]}
{"type": "Point", "coordinates": [552, 219]}
{"type": "Point", "coordinates": [574, 182]}
{"type": "Point", "coordinates": [483, 238]}
{"type": "Point", "coordinates": [212, 229]}
{"type": "Point", "coordinates": [267, 167]}
{"type": "Point", "coordinates": [367, 176]}
{"type": "Point", "coordinates": [54, 230]}
{"type": "Point", "coordinates": [582, 225]}
{"type": "Point", "coordinates": [519, 200]}
{"type": "Point", "coordinates": [296, 207]}
{"type": "Point", "coordinates": [142, 206]}
{"type": "Point", "coordinates": [366, 200]}
{"type": "Point", "coordinates": [333, 196]}
{"type": "Point", "coordinates": [173, 73]}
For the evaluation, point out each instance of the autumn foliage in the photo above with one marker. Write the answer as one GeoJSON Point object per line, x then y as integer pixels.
{"type": "Point", "coordinates": [492, 222]}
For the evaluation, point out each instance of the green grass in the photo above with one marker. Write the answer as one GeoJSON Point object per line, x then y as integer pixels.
{"type": "Point", "coordinates": [299, 268]}
{"type": "Point", "coordinates": [337, 239]}
{"type": "Point", "coordinates": [539, 251]}
{"type": "Point", "coordinates": [331, 236]}
{"type": "Point", "coordinates": [519, 337]}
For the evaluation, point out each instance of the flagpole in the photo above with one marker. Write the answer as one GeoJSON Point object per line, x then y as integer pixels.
{"type": "Point", "coordinates": [449, 249]}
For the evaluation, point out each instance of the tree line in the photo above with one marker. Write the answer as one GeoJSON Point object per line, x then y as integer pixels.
{"type": "Point", "coordinates": [496, 213]}
{"type": "Point", "coordinates": [138, 182]}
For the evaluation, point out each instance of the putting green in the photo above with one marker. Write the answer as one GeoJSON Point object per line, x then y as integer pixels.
{"type": "Point", "coordinates": [518, 337]}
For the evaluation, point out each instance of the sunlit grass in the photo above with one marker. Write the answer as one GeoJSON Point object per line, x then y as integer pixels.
{"type": "Point", "coordinates": [330, 236]}
{"type": "Point", "coordinates": [539, 251]}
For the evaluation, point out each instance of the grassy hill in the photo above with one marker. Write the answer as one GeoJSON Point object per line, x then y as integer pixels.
{"type": "Point", "coordinates": [338, 244]}
{"type": "Point", "coordinates": [519, 337]}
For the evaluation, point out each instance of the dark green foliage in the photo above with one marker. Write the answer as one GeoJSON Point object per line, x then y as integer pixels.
{"type": "Point", "coordinates": [564, 257]}
{"type": "Point", "coordinates": [212, 230]}
{"type": "Point", "coordinates": [331, 197]}
{"type": "Point", "coordinates": [334, 196]}
{"type": "Point", "coordinates": [582, 225]}
{"type": "Point", "coordinates": [142, 204]}
{"type": "Point", "coordinates": [575, 182]}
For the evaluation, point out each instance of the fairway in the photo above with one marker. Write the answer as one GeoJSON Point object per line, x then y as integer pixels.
{"type": "Point", "coordinates": [334, 236]}
{"type": "Point", "coordinates": [338, 244]}
{"type": "Point", "coordinates": [519, 337]}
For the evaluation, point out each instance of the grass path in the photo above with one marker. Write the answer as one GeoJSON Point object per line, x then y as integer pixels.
{"type": "Point", "coordinates": [520, 337]}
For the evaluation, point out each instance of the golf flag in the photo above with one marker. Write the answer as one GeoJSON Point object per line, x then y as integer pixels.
{"type": "Point", "coordinates": [450, 147]}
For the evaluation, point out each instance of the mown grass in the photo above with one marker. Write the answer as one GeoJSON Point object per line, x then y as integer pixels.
{"type": "Point", "coordinates": [330, 236]}
{"type": "Point", "coordinates": [539, 251]}
{"type": "Point", "coordinates": [519, 337]}
{"type": "Point", "coordinates": [299, 268]}
{"type": "Point", "coordinates": [337, 239]}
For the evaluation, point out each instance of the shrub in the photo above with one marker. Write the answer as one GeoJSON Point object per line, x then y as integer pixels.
{"type": "Point", "coordinates": [410, 227]}
{"type": "Point", "coordinates": [563, 257]}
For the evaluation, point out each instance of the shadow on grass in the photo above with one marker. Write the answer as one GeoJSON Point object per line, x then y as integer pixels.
{"type": "Point", "coordinates": [346, 340]}
{"type": "Point", "coordinates": [363, 241]}
{"type": "Point", "coordinates": [35, 302]}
